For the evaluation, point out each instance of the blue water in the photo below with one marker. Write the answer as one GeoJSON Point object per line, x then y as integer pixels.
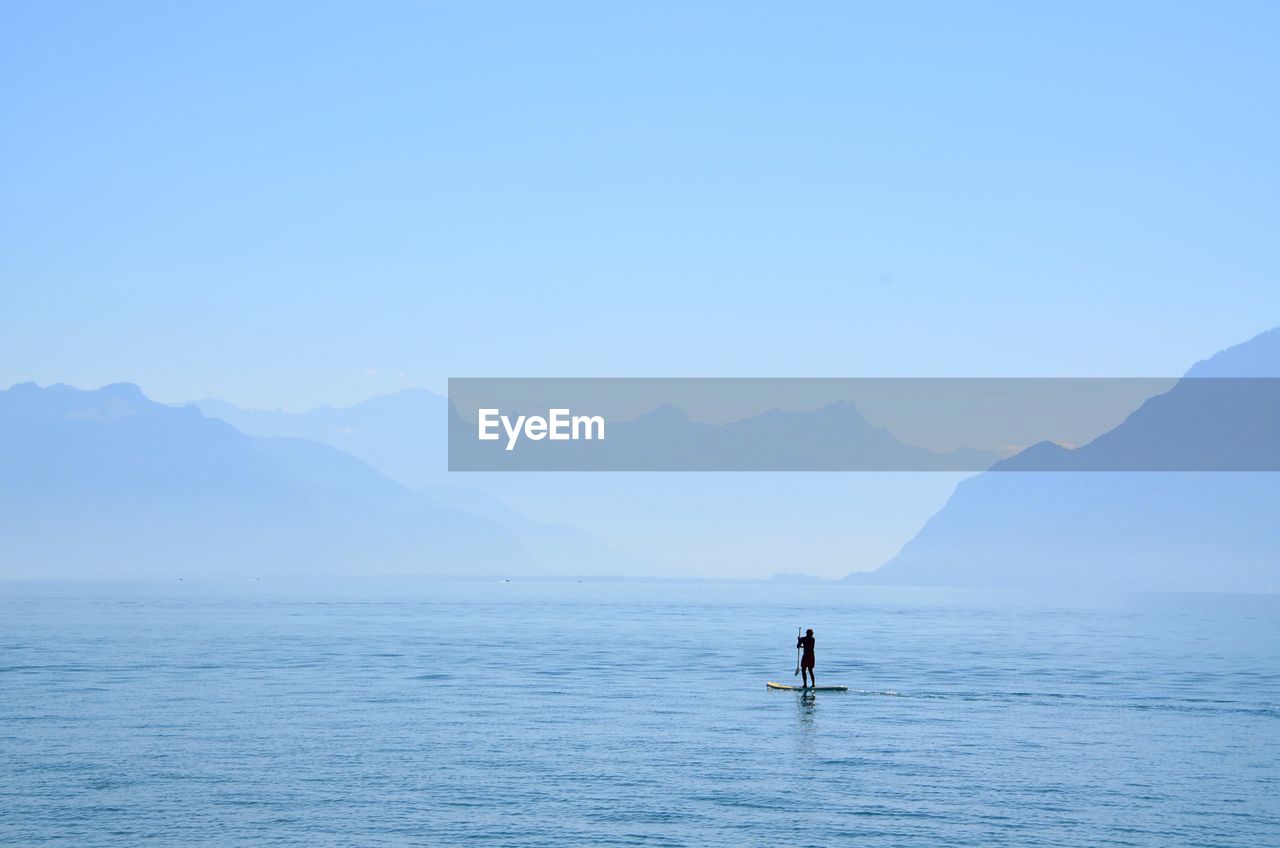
{"type": "Point", "coordinates": [495, 713]}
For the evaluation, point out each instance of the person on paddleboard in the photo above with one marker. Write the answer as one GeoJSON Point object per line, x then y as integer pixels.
{"type": "Point", "coordinates": [806, 662]}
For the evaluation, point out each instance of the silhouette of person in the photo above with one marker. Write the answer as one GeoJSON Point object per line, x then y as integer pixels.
{"type": "Point", "coordinates": [806, 662]}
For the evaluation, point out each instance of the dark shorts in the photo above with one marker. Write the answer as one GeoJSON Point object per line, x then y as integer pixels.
{"type": "Point", "coordinates": [807, 662]}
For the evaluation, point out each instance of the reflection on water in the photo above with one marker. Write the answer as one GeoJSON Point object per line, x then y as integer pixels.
{"type": "Point", "coordinates": [807, 703]}
{"type": "Point", "coordinates": [807, 707]}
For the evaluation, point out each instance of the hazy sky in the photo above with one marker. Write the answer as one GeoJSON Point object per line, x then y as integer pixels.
{"type": "Point", "coordinates": [289, 204]}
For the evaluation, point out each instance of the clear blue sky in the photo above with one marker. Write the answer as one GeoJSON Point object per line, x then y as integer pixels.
{"type": "Point", "coordinates": [288, 204]}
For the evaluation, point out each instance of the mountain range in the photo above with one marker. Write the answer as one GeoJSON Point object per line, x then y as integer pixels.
{"type": "Point", "coordinates": [671, 524]}
{"type": "Point", "coordinates": [110, 483]}
{"type": "Point", "coordinates": [1088, 524]}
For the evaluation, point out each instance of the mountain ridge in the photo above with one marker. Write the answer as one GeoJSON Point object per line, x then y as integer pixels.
{"type": "Point", "coordinates": [1185, 530]}
{"type": "Point", "coordinates": [106, 482]}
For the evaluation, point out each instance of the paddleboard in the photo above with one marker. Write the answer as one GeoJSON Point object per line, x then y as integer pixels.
{"type": "Point", "coordinates": [773, 685]}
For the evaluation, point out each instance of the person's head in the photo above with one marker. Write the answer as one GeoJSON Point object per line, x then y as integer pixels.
{"type": "Point", "coordinates": [808, 632]}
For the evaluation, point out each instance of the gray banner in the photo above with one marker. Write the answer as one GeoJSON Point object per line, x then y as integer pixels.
{"type": "Point", "coordinates": [864, 424]}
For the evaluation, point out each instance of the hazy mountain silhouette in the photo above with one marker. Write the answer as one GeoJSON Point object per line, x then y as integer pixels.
{"type": "Point", "coordinates": [654, 524]}
{"type": "Point", "coordinates": [109, 483]}
{"type": "Point", "coordinates": [402, 437]}
{"type": "Point", "coordinates": [402, 434]}
{"type": "Point", "coordinates": [1186, 530]}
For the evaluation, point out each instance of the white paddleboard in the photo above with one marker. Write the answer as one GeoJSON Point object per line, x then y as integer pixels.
{"type": "Point", "coordinates": [773, 685]}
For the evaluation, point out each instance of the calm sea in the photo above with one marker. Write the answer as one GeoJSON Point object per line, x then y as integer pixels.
{"type": "Point", "coordinates": [597, 714]}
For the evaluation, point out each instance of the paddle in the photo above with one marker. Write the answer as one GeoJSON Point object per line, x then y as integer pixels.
{"type": "Point", "coordinates": [797, 674]}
